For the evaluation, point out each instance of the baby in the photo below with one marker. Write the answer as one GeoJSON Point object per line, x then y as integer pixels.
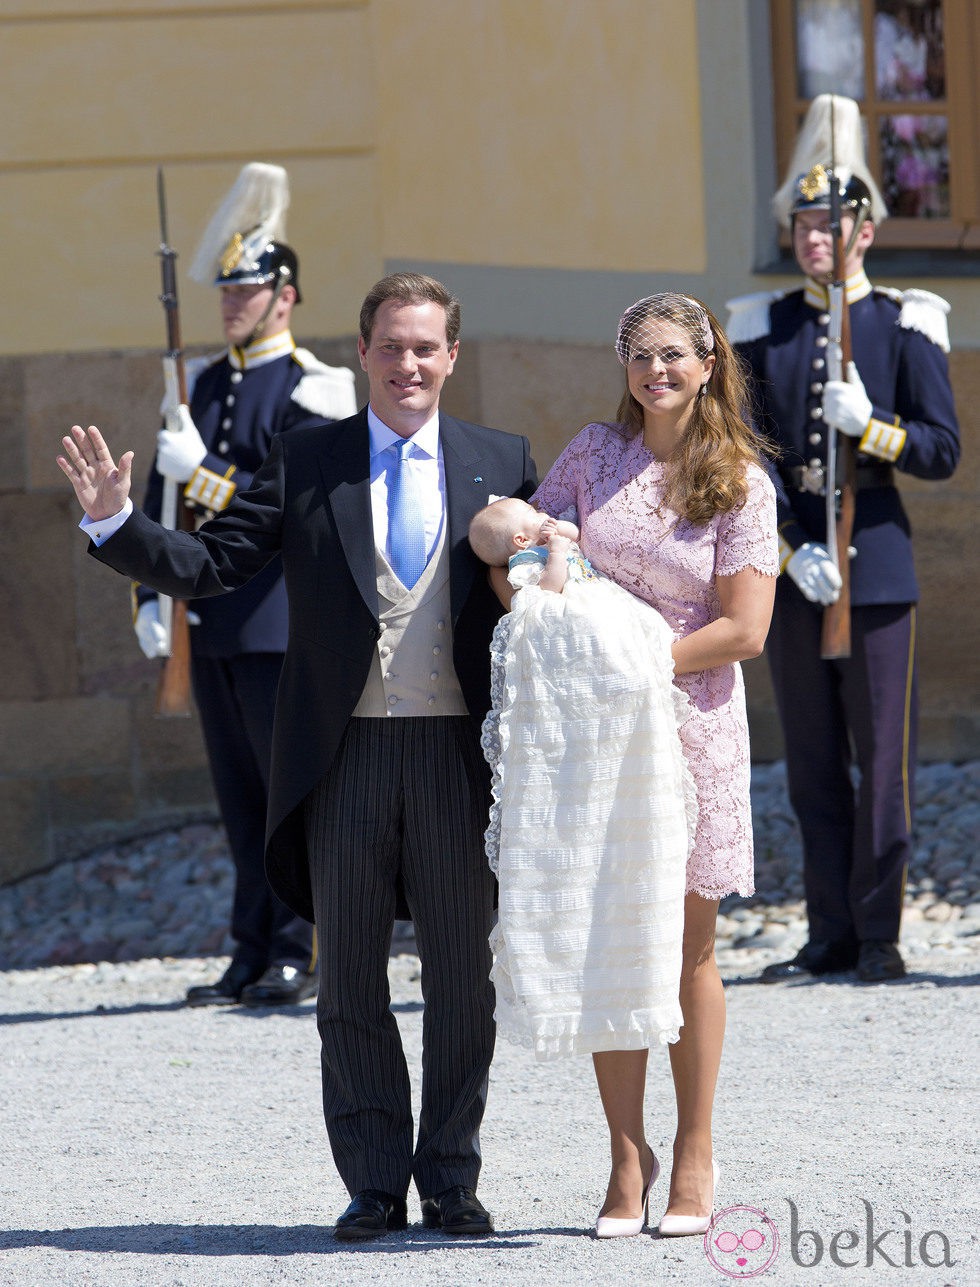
{"type": "Point", "coordinates": [513, 534]}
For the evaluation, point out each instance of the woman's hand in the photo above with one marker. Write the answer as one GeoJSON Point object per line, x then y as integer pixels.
{"type": "Point", "coordinates": [501, 587]}
{"type": "Point", "coordinates": [740, 631]}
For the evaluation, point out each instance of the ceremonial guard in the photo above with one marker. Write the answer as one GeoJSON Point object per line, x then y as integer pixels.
{"type": "Point", "coordinates": [890, 407]}
{"type": "Point", "coordinates": [260, 386]}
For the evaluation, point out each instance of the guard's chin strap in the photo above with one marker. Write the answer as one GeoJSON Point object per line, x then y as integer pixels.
{"type": "Point", "coordinates": [282, 280]}
{"type": "Point", "coordinates": [862, 213]}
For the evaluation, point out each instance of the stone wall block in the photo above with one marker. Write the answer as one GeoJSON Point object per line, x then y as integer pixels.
{"type": "Point", "coordinates": [25, 839]}
{"type": "Point", "coordinates": [166, 744]}
{"type": "Point", "coordinates": [547, 391]}
{"type": "Point", "coordinates": [119, 392]}
{"type": "Point", "coordinates": [51, 739]}
{"type": "Point", "coordinates": [93, 801]}
{"type": "Point", "coordinates": [13, 458]}
{"type": "Point", "coordinates": [166, 789]}
{"type": "Point", "coordinates": [38, 594]}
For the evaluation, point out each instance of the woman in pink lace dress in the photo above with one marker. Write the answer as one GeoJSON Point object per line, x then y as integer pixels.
{"type": "Point", "coordinates": [674, 505]}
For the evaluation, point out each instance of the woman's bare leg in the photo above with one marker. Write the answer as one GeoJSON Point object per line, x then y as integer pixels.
{"type": "Point", "coordinates": [695, 1060]}
{"type": "Point", "coordinates": [621, 1076]}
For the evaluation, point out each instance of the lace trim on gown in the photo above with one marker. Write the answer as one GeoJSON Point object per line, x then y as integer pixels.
{"type": "Point", "coordinates": [591, 822]}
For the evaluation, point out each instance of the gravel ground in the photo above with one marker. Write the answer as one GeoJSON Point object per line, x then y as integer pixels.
{"type": "Point", "coordinates": [150, 1145]}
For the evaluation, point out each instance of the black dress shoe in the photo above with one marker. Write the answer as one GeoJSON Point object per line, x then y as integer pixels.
{"type": "Point", "coordinates": [371, 1214]}
{"type": "Point", "coordinates": [879, 961]}
{"type": "Point", "coordinates": [816, 957]}
{"type": "Point", "coordinates": [228, 989]}
{"type": "Point", "coordinates": [457, 1210]}
{"type": "Point", "coordinates": [280, 985]}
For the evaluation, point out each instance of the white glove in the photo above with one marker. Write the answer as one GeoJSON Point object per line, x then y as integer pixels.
{"type": "Point", "coordinates": [813, 571]}
{"type": "Point", "coordinates": [150, 633]}
{"type": "Point", "coordinates": [846, 406]}
{"type": "Point", "coordinates": [180, 452]}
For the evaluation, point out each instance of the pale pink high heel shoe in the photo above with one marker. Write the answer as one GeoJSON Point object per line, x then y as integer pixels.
{"type": "Point", "coordinates": [629, 1226]}
{"type": "Point", "coordinates": [681, 1226]}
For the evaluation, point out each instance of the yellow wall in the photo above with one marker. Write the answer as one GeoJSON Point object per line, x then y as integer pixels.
{"type": "Point", "coordinates": [524, 133]}
{"type": "Point", "coordinates": [99, 95]}
{"type": "Point", "coordinates": [553, 134]}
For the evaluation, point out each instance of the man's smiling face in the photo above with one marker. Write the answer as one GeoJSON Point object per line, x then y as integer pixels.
{"type": "Point", "coordinates": [407, 361]}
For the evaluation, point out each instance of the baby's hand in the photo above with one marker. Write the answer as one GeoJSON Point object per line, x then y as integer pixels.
{"type": "Point", "coordinates": [558, 544]}
{"type": "Point", "coordinates": [548, 528]}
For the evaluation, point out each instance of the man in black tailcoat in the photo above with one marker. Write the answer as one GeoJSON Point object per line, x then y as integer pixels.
{"type": "Point", "coordinates": [379, 791]}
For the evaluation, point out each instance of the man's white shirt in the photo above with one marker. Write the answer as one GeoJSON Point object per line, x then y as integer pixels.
{"type": "Point", "coordinates": [425, 462]}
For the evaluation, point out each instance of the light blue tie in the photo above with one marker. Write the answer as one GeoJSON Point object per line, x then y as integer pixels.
{"type": "Point", "coordinates": [406, 523]}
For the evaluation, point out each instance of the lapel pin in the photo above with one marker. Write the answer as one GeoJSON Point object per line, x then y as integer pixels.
{"type": "Point", "coordinates": [478, 478]}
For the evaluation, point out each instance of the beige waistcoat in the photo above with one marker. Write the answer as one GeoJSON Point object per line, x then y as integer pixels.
{"type": "Point", "coordinates": [413, 670]}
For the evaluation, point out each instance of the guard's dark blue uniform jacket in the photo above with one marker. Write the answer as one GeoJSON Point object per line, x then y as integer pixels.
{"type": "Point", "coordinates": [239, 402]}
{"type": "Point", "coordinates": [898, 341]}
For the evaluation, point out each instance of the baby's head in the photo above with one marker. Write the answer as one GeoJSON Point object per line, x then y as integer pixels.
{"type": "Point", "coordinates": [508, 525]}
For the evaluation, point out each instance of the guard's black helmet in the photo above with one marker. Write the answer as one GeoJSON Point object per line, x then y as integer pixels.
{"type": "Point", "coordinates": [812, 192]}
{"type": "Point", "coordinates": [257, 259]}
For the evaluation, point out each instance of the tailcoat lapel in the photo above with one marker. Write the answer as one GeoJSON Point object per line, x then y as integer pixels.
{"type": "Point", "coordinates": [466, 492]}
{"type": "Point", "coordinates": [345, 468]}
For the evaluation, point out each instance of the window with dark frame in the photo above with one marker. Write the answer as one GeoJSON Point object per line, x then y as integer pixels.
{"type": "Point", "coordinates": [913, 66]}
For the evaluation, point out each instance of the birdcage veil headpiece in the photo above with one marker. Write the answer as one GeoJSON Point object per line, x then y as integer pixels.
{"type": "Point", "coordinates": [633, 332]}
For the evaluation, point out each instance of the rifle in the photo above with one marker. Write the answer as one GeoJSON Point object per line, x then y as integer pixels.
{"type": "Point", "coordinates": [835, 635]}
{"type": "Point", "coordinates": [173, 689]}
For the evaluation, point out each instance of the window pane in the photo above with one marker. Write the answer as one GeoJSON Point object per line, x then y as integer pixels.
{"type": "Point", "coordinates": [915, 166]}
{"type": "Point", "coordinates": [909, 52]}
{"type": "Point", "coordinates": [829, 48]}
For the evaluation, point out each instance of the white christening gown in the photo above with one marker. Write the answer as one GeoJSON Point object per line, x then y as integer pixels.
{"type": "Point", "coordinates": [592, 818]}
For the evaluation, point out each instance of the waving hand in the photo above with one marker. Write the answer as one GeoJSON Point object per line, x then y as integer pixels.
{"type": "Point", "coordinates": [101, 486]}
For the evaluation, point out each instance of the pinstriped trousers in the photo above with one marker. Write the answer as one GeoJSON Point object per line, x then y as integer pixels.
{"type": "Point", "coordinates": [404, 803]}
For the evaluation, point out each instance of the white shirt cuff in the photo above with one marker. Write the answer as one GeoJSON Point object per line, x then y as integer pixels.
{"type": "Point", "coordinates": [99, 532]}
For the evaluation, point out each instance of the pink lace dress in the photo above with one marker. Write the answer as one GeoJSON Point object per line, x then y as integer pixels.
{"type": "Point", "coordinates": [615, 486]}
